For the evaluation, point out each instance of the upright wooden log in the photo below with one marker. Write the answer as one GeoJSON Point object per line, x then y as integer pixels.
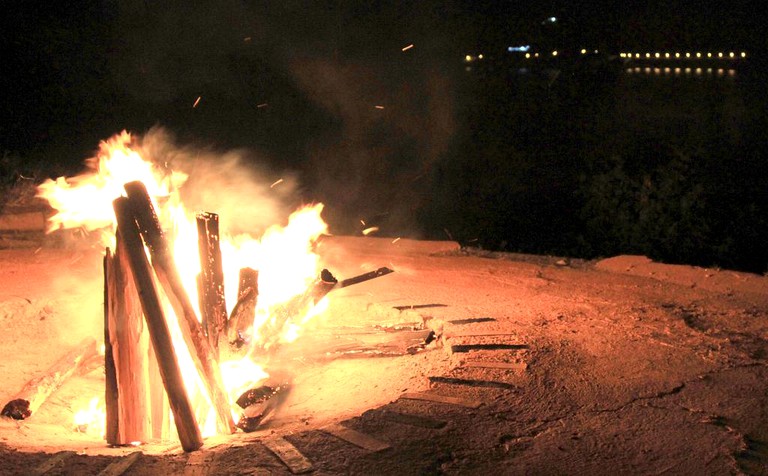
{"type": "Point", "coordinates": [130, 347]}
{"type": "Point", "coordinates": [245, 308]}
{"type": "Point", "coordinates": [36, 391]}
{"type": "Point", "coordinates": [184, 417]}
{"type": "Point", "coordinates": [168, 276]}
{"type": "Point", "coordinates": [212, 303]}
{"type": "Point", "coordinates": [110, 388]}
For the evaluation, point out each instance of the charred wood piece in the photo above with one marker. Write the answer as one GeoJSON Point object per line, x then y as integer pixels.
{"type": "Point", "coordinates": [211, 284]}
{"type": "Point", "coordinates": [245, 308]}
{"type": "Point", "coordinates": [259, 404]}
{"type": "Point", "coordinates": [365, 277]}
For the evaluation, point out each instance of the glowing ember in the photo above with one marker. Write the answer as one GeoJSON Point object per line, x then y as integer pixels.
{"type": "Point", "coordinates": [283, 255]}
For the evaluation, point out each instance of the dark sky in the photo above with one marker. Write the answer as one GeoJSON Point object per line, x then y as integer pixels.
{"type": "Point", "coordinates": [76, 72]}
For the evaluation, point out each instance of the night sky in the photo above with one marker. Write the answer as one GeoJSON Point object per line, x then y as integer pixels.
{"type": "Point", "coordinates": [75, 72]}
{"type": "Point", "coordinates": [325, 91]}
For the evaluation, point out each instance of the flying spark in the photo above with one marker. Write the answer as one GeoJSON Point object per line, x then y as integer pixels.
{"type": "Point", "coordinates": [370, 230]}
{"type": "Point", "coordinates": [197, 101]}
{"type": "Point", "coordinates": [379, 107]}
{"type": "Point", "coordinates": [408, 47]}
{"type": "Point", "coordinates": [277, 182]}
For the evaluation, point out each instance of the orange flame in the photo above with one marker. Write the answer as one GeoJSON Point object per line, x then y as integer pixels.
{"type": "Point", "coordinates": [283, 256]}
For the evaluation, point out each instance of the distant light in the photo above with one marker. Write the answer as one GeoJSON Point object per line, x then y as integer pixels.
{"type": "Point", "coordinates": [677, 70]}
{"type": "Point", "coordinates": [552, 19]}
{"type": "Point", "coordinates": [698, 55]}
{"type": "Point", "coordinates": [523, 48]}
{"type": "Point", "coordinates": [667, 70]}
{"type": "Point", "coordinates": [554, 53]}
{"type": "Point", "coordinates": [731, 72]}
{"type": "Point", "coordinates": [637, 55]}
{"type": "Point", "coordinates": [536, 55]}
{"type": "Point", "coordinates": [620, 54]}
{"type": "Point", "coordinates": [527, 55]}
{"type": "Point", "coordinates": [595, 51]}
{"type": "Point", "coordinates": [720, 55]}
{"type": "Point", "coordinates": [687, 55]}
{"type": "Point", "coordinates": [666, 55]}
{"type": "Point", "coordinates": [709, 55]}
{"type": "Point", "coordinates": [732, 54]}
{"type": "Point", "coordinates": [480, 56]}
{"type": "Point", "coordinates": [647, 55]}
{"type": "Point", "coordinates": [584, 51]}
{"type": "Point", "coordinates": [743, 54]}
{"type": "Point", "coordinates": [468, 58]}
{"type": "Point", "coordinates": [720, 71]}
{"type": "Point", "coordinates": [657, 55]}
{"type": "Point", "coordinates": [677, 55]}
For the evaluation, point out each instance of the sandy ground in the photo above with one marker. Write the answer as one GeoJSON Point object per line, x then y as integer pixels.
{"type": "Point", "coordinates": [630, 367]}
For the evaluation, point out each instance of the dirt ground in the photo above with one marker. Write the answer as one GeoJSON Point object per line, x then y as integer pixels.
{"type": "Point", "coordinates": [620, 366]}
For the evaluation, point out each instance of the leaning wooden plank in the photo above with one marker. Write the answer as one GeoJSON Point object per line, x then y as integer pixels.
{"type": "Point", "coordinates": [129, 341]}
{"type": "Point", "coordinates": [200, 463]}
{"type": "Point", "coordinates": [121, 465]}
{"type": "Point", "coordinates": [184, 416]}
{"type": "Point", "coordinates": [297, 463]}
{"type": "Point", "coordinates": [52, 462]}
{"type": "Point", "coordinates": [36, 391]}
{"type": "Point", "coordinates": [356, 438]}
{"type": "Point", "coordinates": [496, 365]}
{"type": "Point", "coordinates": [431, 397]}
{"type": "Point", "coordinates": [168, 275]}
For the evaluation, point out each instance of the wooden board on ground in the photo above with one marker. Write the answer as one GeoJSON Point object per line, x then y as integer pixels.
{"type": "Point", "coordinates": [432, 397]}
{"type": "Point", "coordinates": [521, 366]}
{"type": "Point", "coordinates": [52, 462]}
{"type": "Point", "coordinates": [199, 463]}
{"type": "Point", "coordinates": [413, 420]}
{"type": "Point", "coordinates": [356, 438]}
{"type": "Point", "coordinates": [121, 465]}
{"type": "Point", "coordinates": [463, 348]}
{"type": "Point", "coordinates": [297, 463]}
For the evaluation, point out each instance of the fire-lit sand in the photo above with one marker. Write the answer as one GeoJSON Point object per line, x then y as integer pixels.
{"type": "Point", "coordinates": [619, 366]}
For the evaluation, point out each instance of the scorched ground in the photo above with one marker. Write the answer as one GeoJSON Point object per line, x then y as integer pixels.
{"type": "Point", "coordinates": [616, 366]}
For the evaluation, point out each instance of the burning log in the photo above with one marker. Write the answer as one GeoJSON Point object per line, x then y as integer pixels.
{"type": "Point", "coordinates": [245, 308]}
{"type": "Point", "coordinates": [211, 283]}
{"type": "Point", "coordinates": [184, 417]}
{"type": "Point", "coordinates": [37, 390]}
{"type": "Point", "coordinates": [168, 275]}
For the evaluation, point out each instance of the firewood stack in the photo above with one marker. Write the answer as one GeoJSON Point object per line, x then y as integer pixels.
{"type": "Point", "coordinates": [143, 377]}
{"type": "Point", "coordinates": [136, 409]}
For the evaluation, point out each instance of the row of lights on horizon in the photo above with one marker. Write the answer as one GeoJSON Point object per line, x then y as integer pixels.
{"type": "Point", "coordinates": [687, 55]}
{"type": "Point", "coordinates": [696, 71]}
